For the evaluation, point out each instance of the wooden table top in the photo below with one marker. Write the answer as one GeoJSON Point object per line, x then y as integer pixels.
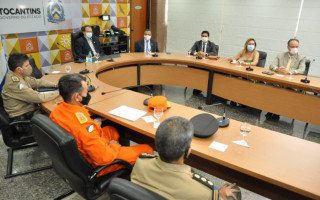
{"type": "Point", "coordinates": [283, 160]}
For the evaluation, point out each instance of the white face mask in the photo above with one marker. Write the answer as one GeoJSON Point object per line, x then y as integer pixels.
{"type": "Point", "coordinates": [89, 34]}
{"type": "Point", "coordinates": [294, 51]}
{"type": "Point", "coordinates": [205, 39]}
{"type": "Point", "coordinates": [147, 37]}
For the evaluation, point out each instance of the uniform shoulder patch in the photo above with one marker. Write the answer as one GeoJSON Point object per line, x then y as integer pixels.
{"type": "Point", "coordinates": [90, 128]}
{"type": "Point", "coordinates": [81, 117]}
{"type": "Point", "coordinates": [15, 79]}
{"type": "Point", "coordinates": [20, 86]}
{"type": "Point", "coordinates": [146, 155]}
{"type": "Point", "coordinates": [203, 180]}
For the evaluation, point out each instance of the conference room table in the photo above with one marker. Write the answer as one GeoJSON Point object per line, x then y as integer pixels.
{"type": "Point", "coordinates": [276, 165]}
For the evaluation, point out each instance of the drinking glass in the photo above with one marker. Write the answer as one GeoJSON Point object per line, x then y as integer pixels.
{"type": "Point", "coordinates": [67, 68]}
{"type": "Point", "coordinates": [189, 53]}
{"type": "Point", "coordinates": [149, 52]}
{"type": "Point", "coordinates": [245, 129]}
{"type": "Point", "coordinates": [158, 112]}
{"type": "Point", "coordinates": [97, 57]}
{"type": "Point", "coordinates": [240, 62]}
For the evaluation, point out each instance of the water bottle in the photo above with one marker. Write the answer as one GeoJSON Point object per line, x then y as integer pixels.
{"type": "Point", "coordinates": [89, 57]}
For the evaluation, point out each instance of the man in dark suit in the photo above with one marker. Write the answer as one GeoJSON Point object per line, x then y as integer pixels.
{"type": "Point", "coordinates": [204, 47]}
{"type": "Point", "coordinates": [146, 44]}
{"type": "Point", "coordinates": [88, 42]}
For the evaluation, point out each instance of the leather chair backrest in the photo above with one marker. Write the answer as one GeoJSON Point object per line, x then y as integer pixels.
{"type": "Point", "coordinates": [95, 30]}
{"type": "Point", "coordinates": [11, 137]}
{"type": "Point", "coordinates": [121, 189]}
{"type": "Point", "coordinates": [35, 71]}
{"type": "Point", "coordinates": [306, 71]}
{"type": "Point", "coordinates": [262, 59]}
{"type": "Point", "coordinates": [217, 49]}
{"type": "Point", "coordinates": [74, 37]}
{"type": "Point", "coordinates": [62, 148]}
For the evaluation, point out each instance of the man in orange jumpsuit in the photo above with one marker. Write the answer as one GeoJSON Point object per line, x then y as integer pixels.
{"type": "Point", "coordinates": [99, 146]}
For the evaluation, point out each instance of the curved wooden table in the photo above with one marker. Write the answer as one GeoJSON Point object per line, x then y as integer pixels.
{"type": "Point", "coordinates": [276, 165]}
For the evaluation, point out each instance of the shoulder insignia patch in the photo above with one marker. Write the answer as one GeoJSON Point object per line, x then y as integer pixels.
{"type": "Point", "coordinates": [147, 155]}
{"type": "Point", "coordinates": [90, 128]}
{"type": "Point", "coordinates": [15, 79]}
{"type": "Point", "coordinates": [81, 117]}
{"type": "Point", "coordinates": [20, 86]}
{"type": "Point", "coordinates": [202, 180]}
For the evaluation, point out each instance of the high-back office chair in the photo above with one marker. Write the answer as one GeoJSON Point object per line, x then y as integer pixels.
{"type": "Point", "coordinates": [306, 71]}
{"type": "Point", "coordinates": [262, 59]}
{"type": "Point", "coordinates": [120, 189]}
{"type": "Point", "coordinates": [35, 71]}
{"type": "Point", "coordinates": [68, 162]}
{"type": "Point", "coordinates": [74, 37]}
{"type": "Point", "coordinates": [15, 140]}
{"type": "Point", "coordinates": [95, 30]}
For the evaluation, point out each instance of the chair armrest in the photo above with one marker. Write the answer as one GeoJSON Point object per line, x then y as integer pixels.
{"type": "Point", "coordinates": [98, 169]}
{"type": "Point", "coordinates": [19, 122]}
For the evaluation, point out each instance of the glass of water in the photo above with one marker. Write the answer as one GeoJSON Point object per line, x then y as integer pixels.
{"type": "Point", "coordinates": [189, 53]}
{"type": "Point", "coordinates": [245, 129]}
{"type": "Point", "coordinates": [157, 113]}
{"type": "Point", "coordinates": [67, 68]}
{"type": "Point", "coordinates": [240, 62]}
{"type": "Point", "coordinates": [97, 57]}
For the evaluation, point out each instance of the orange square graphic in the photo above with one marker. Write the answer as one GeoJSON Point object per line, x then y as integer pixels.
{"type": "Point", "coordinates": [121, 1]}
{"type": "Point", "coordinates": [122, 22]}
{"type": "Point", "coordinates": [95, 10]}
{"type": "Point", "coordinates": [66, 55]}
{"type": "Point", "coordinates": [29, 45]}
{"type": "Point", "coordinates": [65, 31]}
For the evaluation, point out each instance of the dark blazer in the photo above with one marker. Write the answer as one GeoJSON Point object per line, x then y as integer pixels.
{"type": "Point", "coordinates": [212, 49]}
{"type": "Point", "coordinates": [82, 47]}
{"type": "Point", "coordinates": [139, 46]}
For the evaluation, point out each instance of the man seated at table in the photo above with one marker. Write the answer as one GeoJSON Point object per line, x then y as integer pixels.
{"type": "Point", "coordinates": [168, 175]}
{"type": "Point", "coordinates": [99, 146]}
{"type": "Point", "coordinates": [288, 63]}
{"type": "Point", "coordinates": [146, 45]}
{"type": "Point", "coordinates": [88, 42]}
{"type": "Point", "coordinates": [20, 96]}
{"type": "Point", "coordinates": [204, 47]}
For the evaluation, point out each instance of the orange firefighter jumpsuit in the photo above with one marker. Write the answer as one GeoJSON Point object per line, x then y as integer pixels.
{"type": "Point", "coordinates": [92, 140]}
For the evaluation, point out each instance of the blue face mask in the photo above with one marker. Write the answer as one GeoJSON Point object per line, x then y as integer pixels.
{"type": "Point", "coordinates": [89, 35]}
{"type": "Point", "coordinates": [250, 47]}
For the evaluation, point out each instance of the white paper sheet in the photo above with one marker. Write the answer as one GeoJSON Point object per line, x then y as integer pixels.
{"type": "Point", "coordinates": [149, 119]}
{"type": "Point", "coordinates": [126, 112]}
{"type": "Point", "coordinates": [218, 146]}
{"type": "Point", "coordinates": [55, 72]}
{"type": "Point", "coordinates": [279, 75]}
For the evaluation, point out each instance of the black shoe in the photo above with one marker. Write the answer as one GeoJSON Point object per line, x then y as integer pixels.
{"type": "Point", "coordinates": [196, 91]}
{"type": "Point", "coordinates": [233, 103]}
{"type": "Point", "coordinates": [270, 115]}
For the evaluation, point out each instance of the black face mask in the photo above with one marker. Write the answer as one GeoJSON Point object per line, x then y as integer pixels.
{"type": "Point", "coordinates": [85, 100]}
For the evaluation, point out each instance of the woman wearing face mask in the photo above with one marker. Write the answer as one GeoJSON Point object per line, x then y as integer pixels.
{"type": "Point", "coordinates": [248, 54]}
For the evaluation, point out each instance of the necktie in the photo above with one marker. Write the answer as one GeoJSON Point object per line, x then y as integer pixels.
{"type": "Point", "coordinates": [204, 47]}
{"type": "Point", "coordinates": [289, 63]}
{"type": "Point", "coordinates": [147, 46]}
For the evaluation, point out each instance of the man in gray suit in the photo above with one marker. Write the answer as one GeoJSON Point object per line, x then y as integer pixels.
{"type": "Point", "coordinates": [290, 62]}
{"type": "Point", "coordinates": [204, 47]}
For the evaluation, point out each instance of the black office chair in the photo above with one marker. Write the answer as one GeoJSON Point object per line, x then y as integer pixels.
{"type": "Point", "coordinates": [262, 59]}
{"type": "Point", "coordinates": [68, 162]}
{"type": "Point", "coordinates": [74, 37]}
{"type": "Point", "coordinates": [120, 189]}
{"type": "Point", "coordinates": [306, 71]}
{"type": "Point", "coordinates": [95, 30]}
{"type": "Point", "coordinates": [35, 71]}
{"type": "Point", "coordinates": [16, 140]}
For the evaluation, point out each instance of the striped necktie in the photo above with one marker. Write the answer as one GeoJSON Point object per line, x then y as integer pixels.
{"type": "Point", "coordinates": [289, 63]}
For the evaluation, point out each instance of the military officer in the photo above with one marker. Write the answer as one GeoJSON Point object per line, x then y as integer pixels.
{"type": "Point", "coordinates": [168, 175]}
{"type": "Point", "coordinates": [20, 98]}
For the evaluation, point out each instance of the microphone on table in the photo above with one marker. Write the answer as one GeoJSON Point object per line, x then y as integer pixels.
{"type": "Point", "coordinates": [85, 71]}
{"type": "Point", "coordinates": [150, 90]}
{"type": "Point", "coordinates": [91, 88]}
{"type": "Point", "coordinates": [249, 68]}
{"type": "Point", "coordinates": [77, 59]}
{"type": "Point", "coordinates": [306, 80]}
{"type": "Point", "coordinates": [223, 121]}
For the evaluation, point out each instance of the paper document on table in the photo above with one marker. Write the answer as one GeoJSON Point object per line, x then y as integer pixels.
{"type": "Point", "coordinates": [149, 119]}
{"type": "Point", "coordinates": [279, 75]}
{"type": "Point", "coordinates": [55, 72]}
{"type": "Point", "coordinates": [218, 146]}
{"type": "Point", "coordinates": [127, 113]}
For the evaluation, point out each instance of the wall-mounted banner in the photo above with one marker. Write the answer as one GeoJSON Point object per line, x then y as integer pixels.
{"type": "Point", "coordinates": [18, 16]}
